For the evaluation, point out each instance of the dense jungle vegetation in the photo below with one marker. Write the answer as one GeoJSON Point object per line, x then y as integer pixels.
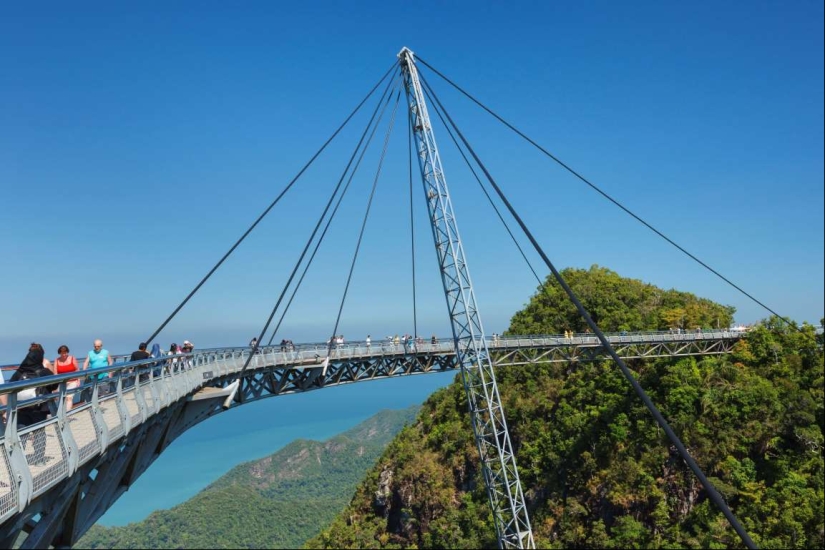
{"type": "Point", "coordinates": [276, 502]}
{"type": "Point", "coordinates": [596, 469]}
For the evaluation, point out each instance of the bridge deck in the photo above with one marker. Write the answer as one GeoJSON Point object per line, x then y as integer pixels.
{"type": "Point", "coordinates": [127, 420]}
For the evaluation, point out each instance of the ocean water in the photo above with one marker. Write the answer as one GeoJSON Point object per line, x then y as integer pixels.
{"type": "Point", "coordinates": [212, 448]}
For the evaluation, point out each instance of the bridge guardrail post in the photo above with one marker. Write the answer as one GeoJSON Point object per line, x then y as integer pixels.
{"type": "Point", "coordinates": [200, 365]}
{"type": "Point", "coordinates": [155, 387]}
{"type": "Point", "coordinates": [160, 385]}
{"type": "Point", "coordinates": [179, 376]}
{"type": "Point", "coordinates": [143, 408]}
{"type": "Point", "coordinates": [171, 381]}
{"type": "Point", "coordinates": [183, 378]}
{"type": "Point", "coordinates": [19, 473]}
{"type": "Point", "coordinates": [178, 380]}
{"type": "Point", "coordinates": [188, 375]}
{"type": "Point", "coordinates": [102, 428]}
{"type": "Point", "coordinates": [66, 435]}
{"type": "Point", "coordinates": [221, 364]}
{"type": "Point", "coordinates": [122, 409]}
{"type": "Point", "coordinates": [168, 382]}
{"type": "Point", "coordinates": [195, 376]}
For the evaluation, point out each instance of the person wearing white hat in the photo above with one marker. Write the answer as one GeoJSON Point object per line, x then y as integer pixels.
{"type": "Point", "coordinates": [187, 347]}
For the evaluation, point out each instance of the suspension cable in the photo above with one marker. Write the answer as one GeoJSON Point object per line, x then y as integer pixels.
{"type": "Point", "coordinates": [266, 211]}
{"type": "Point", "coordinates": [327, 226]}
{"type": "Point", "coordinates": [712, 492]}
{"type": "Point", "coordinates": [605, 195]}
{"type": "Point", "coordinates": [364, 222]}
{"type": "Point", "coordinates": [412, 224]}
{"type": "Point", "coordinates": [309, 241]}
{"type": "Point", "coordinates": [484, 189]}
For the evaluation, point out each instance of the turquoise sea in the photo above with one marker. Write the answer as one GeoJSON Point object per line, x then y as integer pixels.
{"type": "Point", "coordinates": [212, 448]}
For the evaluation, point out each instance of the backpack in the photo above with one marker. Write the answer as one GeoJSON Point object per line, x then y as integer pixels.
{"type": "Point", "coordinates": [28, 393]}
{"type": "Point", "coordinates": [31, 393]}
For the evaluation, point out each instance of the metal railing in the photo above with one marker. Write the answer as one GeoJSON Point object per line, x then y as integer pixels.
{"type": "Point", "coordinates": [359, 348]}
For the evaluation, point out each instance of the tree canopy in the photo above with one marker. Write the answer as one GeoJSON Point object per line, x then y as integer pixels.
{"type": "Point", "coordinates": [615, 304]}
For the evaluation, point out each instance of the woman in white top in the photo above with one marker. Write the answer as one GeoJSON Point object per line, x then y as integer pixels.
{"type": "Point", "coordinates": [174, 350]}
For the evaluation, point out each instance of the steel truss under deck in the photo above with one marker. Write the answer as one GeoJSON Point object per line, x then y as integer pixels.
{"type": "Point", "coordinates": [592, 350]}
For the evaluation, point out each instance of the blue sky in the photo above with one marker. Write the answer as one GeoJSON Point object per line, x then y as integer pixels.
{"type": "Point", "coordinates": [138, 141]}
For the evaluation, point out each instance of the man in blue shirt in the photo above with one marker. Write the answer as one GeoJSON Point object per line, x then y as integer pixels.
{"type": "Point", "coordinates": [99, 358]}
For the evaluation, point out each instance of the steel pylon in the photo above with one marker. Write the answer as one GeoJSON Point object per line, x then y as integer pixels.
{"type": "Point", "coordinates": [486, 413]}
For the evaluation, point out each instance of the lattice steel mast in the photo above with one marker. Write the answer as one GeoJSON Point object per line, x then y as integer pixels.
{"type": "Point", "coordinates": [486, 413]}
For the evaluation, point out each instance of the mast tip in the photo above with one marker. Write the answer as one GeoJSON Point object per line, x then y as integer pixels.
{"type": "Point", "coordinates": [405, 52]}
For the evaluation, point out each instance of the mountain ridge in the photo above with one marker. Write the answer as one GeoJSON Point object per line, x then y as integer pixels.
{"type": "Point", "coordinates": [303, 485]}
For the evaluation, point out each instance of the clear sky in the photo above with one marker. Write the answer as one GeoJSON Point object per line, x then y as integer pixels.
{"type": "Point", "coordinates": [139, 140]}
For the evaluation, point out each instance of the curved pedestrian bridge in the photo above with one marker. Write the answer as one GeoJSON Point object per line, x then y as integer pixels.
{"type": "Point", "coordinates": [59, 476]}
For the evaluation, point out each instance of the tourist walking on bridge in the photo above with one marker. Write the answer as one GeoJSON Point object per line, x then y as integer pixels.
{"type": "Point", "coordinates": [99, 358]}
{"type": "Point", "coordinates": [139, 355]}
{"type": "Point", "coordinates": [63, 364]}
{"type": "Point", "coordinates": [156, 352]}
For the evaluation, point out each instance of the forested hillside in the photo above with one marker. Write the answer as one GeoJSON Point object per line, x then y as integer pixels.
{"type": "Point", "coordinates": [615, 304]}
{"type": "Point", "coordinates": [276, 502]}
{"type": "Point", "coordinates": [596, 470]}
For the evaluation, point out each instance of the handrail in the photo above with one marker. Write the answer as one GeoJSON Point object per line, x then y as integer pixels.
{"type": "Point", "coordinates": [499, 341]}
